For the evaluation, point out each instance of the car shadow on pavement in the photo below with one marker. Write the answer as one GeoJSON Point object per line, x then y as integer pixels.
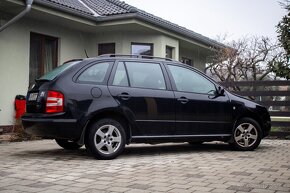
{"type": "Point", "coordinates": [131, 151]}
{"type": "Point", "coordinates": [178, 148]}
{"type": "Point", "coordinates": [175, 148]}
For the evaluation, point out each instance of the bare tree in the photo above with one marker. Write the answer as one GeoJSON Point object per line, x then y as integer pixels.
{"type": "Point", "coordinates": [245, 59]}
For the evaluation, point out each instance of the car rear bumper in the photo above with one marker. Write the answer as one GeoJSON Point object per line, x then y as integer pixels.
{"type": "Point", "coordinates": [51, 127]}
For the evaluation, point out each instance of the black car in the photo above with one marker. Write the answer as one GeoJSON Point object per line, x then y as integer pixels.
{"type": "Point", "coordinates": [109, 101]}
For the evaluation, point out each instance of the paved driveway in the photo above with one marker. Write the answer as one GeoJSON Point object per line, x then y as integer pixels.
{"type": "Point", "coordinates": [41, 166]}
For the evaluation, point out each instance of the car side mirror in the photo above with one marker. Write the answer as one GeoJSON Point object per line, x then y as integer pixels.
{"type": "Point", "coordinates": [220, 91]}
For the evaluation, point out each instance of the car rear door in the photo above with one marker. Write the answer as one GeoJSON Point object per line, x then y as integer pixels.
{"type": "Point", "coordinates": [143, 92]}
{"type": "Point", "coordinates": [198, 110]}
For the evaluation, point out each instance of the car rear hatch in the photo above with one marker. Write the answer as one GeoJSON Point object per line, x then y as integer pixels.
{"type": "Point", "coordinates": [39, 96]}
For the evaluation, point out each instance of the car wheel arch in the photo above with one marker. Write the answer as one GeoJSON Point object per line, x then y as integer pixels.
{"type": "Point", "coordinates": [112, 115]}
{"type": "Point", "coordinates": [247, 114]}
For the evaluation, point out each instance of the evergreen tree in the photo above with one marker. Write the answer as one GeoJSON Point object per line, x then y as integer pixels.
{"type": "Point", "coordinates": [282, 68]}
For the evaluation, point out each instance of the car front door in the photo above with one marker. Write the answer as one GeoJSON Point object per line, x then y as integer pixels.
{"type": "Point", "coordinates": [199, 111]}
{"type": "Point", "coordinates": [142, 92]}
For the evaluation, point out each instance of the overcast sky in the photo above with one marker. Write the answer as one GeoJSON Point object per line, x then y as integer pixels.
{"type": "Point", "coordinates": [211, 18]}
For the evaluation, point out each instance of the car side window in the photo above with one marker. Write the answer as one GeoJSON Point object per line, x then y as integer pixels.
{"type": "Point", "coordinates": [95, 73]}
{"type": "Point", "coordinates": [145, 75]}
{"type": "Point", "coordinates": [187, 80]}
{"type": "Point", "coordinates": [121, 78]}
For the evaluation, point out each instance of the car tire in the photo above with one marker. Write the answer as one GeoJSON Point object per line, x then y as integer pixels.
{"type": "Point", "coordinates": [246, 135]}
{"type": "Point", "coordinates": [68, 145]}
{"type": "Point", "coordinates": [106, 139]}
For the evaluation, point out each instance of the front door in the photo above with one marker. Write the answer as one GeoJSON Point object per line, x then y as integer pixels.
{"type": "Point", "coordinates": [198, 110]}
{"type": "Point", "coordinates": [140, 89]}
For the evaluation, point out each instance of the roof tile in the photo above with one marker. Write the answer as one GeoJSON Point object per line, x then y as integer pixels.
{"type": "Point", "coordinates": [71, 4]}
{"type": "Point", "coordinates": [108, 7]}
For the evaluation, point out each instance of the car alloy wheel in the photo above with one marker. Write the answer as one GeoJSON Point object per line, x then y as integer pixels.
{"type": "Point", "coordinates": [246, 135]}
{"type": "Point", "coordinates": [108, 139]}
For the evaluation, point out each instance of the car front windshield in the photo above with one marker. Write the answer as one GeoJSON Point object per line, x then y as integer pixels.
{"type": "Point", "coordinates": [55, 72]}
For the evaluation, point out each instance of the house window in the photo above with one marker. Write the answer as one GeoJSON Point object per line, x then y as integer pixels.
{"type": "Point", "coordinates": [108, 48]}
{"type": "Point", "coordinates": [186, 61]}
{"type": "Point", "coordinates": [43, 55]}
{"type": "Point", "coordinates": [169, 52]}
{"type": "Point", "coordinates": [142, 49]}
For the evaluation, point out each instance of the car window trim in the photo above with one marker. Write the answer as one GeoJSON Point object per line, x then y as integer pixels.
{"type": "Point", "coordinates": [191, 69]}
{"type": "Point", "coordinates": [87, 66]}
{"type": "Point", "coordinates": [113, 74]}
{"type": "Point", "coordinates": [164, 73]}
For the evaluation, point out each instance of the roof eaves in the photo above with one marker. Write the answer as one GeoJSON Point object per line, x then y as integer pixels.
{"type": "Point", "coordinates": [164, 24]}
{"type": "Point", "coordinates": [178, 29]}
{"type": "Point", "coordinates": [116, 17]}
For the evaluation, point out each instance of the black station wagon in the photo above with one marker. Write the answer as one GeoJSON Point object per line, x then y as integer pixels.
{"type": "Point", "coordinates": [113, 100]}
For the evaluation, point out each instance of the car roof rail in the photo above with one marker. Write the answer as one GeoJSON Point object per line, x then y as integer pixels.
{"type": "Point", "coordinates": [135, 56]}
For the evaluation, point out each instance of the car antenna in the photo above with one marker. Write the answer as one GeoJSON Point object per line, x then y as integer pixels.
{"type": "Point", "coordinates": [86, 53]}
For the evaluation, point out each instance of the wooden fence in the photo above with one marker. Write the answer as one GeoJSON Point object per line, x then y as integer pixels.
{"type": "Point", "coordinates": [275, 95]}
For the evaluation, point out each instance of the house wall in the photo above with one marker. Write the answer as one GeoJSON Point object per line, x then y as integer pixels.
{"type": "Point", "coordinates": [14, 58]}
{"type": "Point", "coordinates": [124, 39]}
{"type": "Point", "coordinates": [197, 57]}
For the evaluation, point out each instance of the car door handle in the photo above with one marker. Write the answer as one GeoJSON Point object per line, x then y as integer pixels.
{"type": "Point", "coordinates": [183, 100]}
{"type": "Point", "coordinates": [124, 96]}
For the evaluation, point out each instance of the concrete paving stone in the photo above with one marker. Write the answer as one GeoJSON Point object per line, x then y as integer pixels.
{"type": "Point", "coordinates": [267, 170]}
{"type": "Point", "coordinates": [218, 185]}
{"type": "Point", "coordinates": [240, 188]}
{"type": "Point", "coordinates": [10, 191]}
{"type": "Point", "coordinates": [192, 184]}
{"type": "Point", "coordinates": [182, 186]}
{"type": "Point", "coordinates": [159, 188]}
{"type": "Point", "coordinates": [4, 174]}
{"type": "Point", "coordinates": [117, 189]}
{"type": "Point", "coordinates": [57, 187]}
{"type": "Point", "coordinates": [160, 184]}
{"type": "Point", "coordinates": [256, 190]}
{"type": "Point", "coordinates": [42, 166]}
{"type": "Point", "coordinates": [200, 189]}
{"type": "Point", "coordinates": [103, 183]}
{"type": "Point", "coordinates": [285, 166]}
{"type": "Point", "coordinates": [75, 189]}
{"type": "Point", "coordinates": [95, 191]}
{"type": "Point", "coordinates": [23, 188]}
{"type": "Point", "coordinates": [136, 191]}
{"type": "Point", "coordinates": [85, 180]}
{"type": "Point", "coordinates": [222, 190]}
{"type": "Point", "coordinates": [241, 173]}
{"type": "Point", "coordinates": [194, 176]}
{"type": "Point", "coordinates": [140, 186]}
{"type": "Point", "coordinates": [179, 190]}
{"type": "Point", "coordinates": [64, 182]}
{"type": "Point", "coordinates": [51, 191]}
{"type": "Point", "coordinates": [280, 188]}
{"type": "Point", "coordinates": [286, 185]}
{"type": "Point", "coordinates": [235, 183]}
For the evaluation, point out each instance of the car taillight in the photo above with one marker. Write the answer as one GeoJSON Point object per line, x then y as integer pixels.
{"type": "Point", "coordinates": [54, 102]}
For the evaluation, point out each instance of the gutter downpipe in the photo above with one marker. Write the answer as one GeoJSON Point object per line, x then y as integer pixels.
{"type": "Point", "coordinates": [19, 16]}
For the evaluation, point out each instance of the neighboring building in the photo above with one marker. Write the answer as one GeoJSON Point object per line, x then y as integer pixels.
{"type": "Point", "coordinates": [55, 31]}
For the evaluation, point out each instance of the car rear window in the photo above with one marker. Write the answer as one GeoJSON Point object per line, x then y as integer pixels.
{"type": "Point", "coordinates": [55, 72]}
